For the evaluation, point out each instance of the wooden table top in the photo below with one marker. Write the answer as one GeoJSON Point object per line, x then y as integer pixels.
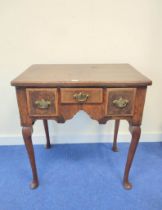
{"type": "Point", "coordinates": [92, 75]}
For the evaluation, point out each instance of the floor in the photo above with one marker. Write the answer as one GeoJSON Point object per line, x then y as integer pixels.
{"type": "Point", "coordinates": [81, 177]}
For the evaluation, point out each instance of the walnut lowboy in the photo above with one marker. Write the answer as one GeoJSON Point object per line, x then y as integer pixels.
{"type": "Point", "coordinates": [114, 91]}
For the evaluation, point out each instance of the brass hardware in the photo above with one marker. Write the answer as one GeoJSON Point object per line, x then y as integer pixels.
{"type": "Point", "coordinates": [81, 97]}
{"type": "Point", "coordinates": [42, 104]}
{"type": "Point", "coordinates": [121, 102]}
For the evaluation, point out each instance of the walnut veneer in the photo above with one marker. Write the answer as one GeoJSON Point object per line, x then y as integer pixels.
{"type": "Point", "coordinates": [104, 91]}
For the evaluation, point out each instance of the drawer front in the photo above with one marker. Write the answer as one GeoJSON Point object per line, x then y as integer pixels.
{"type": "Point", "coordinates": [42, 101]}
{"type": "Point", "coordinates": [120, 101]}
{"type": "Point", "coordinates": [81, 95]}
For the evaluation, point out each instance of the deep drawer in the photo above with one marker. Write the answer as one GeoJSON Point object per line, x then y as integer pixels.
{"type": "Point", "coordinates": [120, 101]}
{"type": "Point", "coordinates": [42, 101]}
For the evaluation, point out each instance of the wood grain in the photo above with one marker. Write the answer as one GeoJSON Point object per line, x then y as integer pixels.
{"type": "Point", "coordinates": [81, 75]}
{"type": "Point", "coordinates": [116, 93]}
{"type": "Point", "coordinates": [116, 128]}
{"type": "Point", "coordinates": [23, 107]}
{"type": "Point", "coordinates": [135, 132]}
{"type": "Point", "coordinates": [27, 135]}
{"type": "Point", "coordinates": [45, 124]}
{"type": "Point", "coordinates": [104, 83]}
{"type": "Point", "coordinates": [139, 105]}
{"type": "Point", "coordinates": [95, 95]}
{"type": "Point", "coordinates": [35, 94]}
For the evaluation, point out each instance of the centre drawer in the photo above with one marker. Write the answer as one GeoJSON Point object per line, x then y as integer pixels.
{"type": "Point", "coordinates": [81, 95]}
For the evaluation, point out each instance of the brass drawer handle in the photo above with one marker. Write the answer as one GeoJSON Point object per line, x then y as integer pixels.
{"type": "Point", "coordinates": [121, 102]}
{"type": "Point", "coordinates": [81, 97]}
{"type": "Point", "coordinates": [42, 104]}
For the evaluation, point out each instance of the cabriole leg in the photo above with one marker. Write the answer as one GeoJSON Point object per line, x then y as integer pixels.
{"type": "Point", "coordinates": [27, 135]}
{"type": "Point", "coordinates": [136, 132]}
